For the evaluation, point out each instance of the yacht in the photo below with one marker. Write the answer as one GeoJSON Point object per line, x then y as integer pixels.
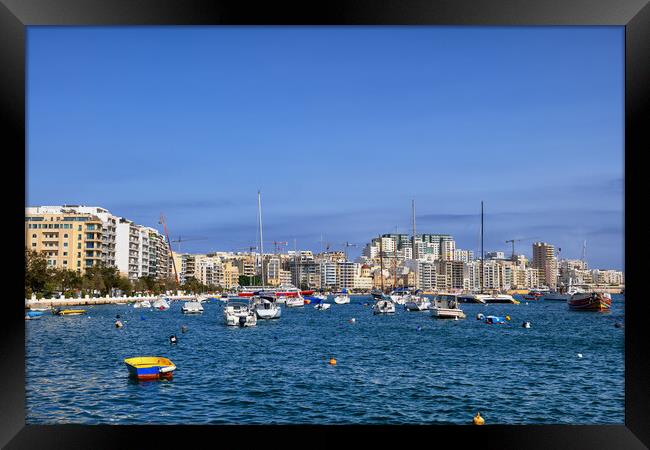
{"type": "Point", "coordinates": [322, 306]}
{"type": "Point", "coordinates": [472, 298]}
{"type": "Point", "coordinates": [399, 295]}
{"type": "Point", "coordinates": [416, 303]}
{"type": "Point", "coordinates": [239, 314]}
{"type": "Point", "coordinates": [500, 298]}
{"type": "Point", "coordinates": [445, 306]}
{"type": "Point", "coordinates": [265, 308]}
{"type": "Point", "coordinates": [294, 302]}
{"type": "Point", "coordinates": [384, 307]}
{"type": "Point", "coordinates": [142, 304]}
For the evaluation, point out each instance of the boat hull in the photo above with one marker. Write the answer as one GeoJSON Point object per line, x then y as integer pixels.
{"type": "Point", "coordinates": [447, 313]}
{"type": "Point", "coordinates": [590, 302]}
{"type": "Point", "coordinates": [341, 300]}
{"type": "Point", "coordinates": [150, 368]}
{"type": "Point", "coordinates": [267, 314]}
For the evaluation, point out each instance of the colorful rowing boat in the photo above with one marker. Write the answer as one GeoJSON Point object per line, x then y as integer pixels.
{"type": "Point", "coordinates": [150, 367]}
{"type": "Point", "coordinates": [69, 312]}
{"type": "Point", "coordinates": [593, 301]}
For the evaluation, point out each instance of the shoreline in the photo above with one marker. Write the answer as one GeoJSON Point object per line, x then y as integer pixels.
{"type": "Point", "coordinates": [51, 302]}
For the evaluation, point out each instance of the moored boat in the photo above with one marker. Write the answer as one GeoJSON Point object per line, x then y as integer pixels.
{"type": "Point", "coordinates": [342, 299]}
{"type": "Point", "coordinates": [192, 308]}
{"type": "Point", "coordinates": [265, 308]}
{"type": "Point", "coordinates": [294, 302]}
{"type": "Point", "coordinates": [445, 306]}
{"type": "Point", "coordinates": [150, 367]}
{"type": "Point", "coordinates": [472, 298]}
{"type": "Point", "coordinates": [501, 298]}
{"type": "Point", "coordinates": [69, 312]}
{"type": "Point", "coordinates": [416, 303]}
{"type": "Point", "coordinates": [590, 301]}
{"type": "Point", "coordinates": [161, 304]}
{"type": "Point", "coordinates": [386, 306]}
{"type": "Point", "coordinates": [31, 315]}
{"type": "Point", "coordinates": [239, 314]}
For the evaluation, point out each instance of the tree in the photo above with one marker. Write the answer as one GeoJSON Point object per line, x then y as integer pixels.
{"type": "Point", "coordinates": [193, 285]}
{"type": "Point", "coordinates": [37, 274]}
{"type": "Point", "coordinates": [65, 279]}
{"type": "Point", "coordinates": [247, 280]}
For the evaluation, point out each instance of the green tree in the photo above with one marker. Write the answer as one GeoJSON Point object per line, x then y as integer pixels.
{"type": "Point", "coordinates": [37, 273]}
{"type": "Point", "coordinates": [246, 280]}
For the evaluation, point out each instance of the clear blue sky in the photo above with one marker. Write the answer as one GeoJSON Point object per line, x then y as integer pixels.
{"type": "Point", "coordinates": [340, 128]}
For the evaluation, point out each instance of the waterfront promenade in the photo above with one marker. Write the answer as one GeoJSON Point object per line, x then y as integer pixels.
{"type": "Point", "coordinates": [87, 300]}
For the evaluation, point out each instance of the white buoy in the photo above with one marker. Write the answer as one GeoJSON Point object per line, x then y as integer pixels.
{"type": "Point", "coordinates": [579, 355]}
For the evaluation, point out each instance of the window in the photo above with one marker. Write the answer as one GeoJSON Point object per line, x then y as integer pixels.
{"type": "Point", "coordinates": [65, 244]}
{"type": "Point", "coordinates": [80, 228]}
{"type": "Point", "coordinates": [33, 244]}
{"type": "Point", "coordinates": [90, 226]}
{"type": "Point", "coordinates": [65, 253]}
{"type": "Point", "coordinates": [34, 236]}
{"type": "Point", "coordinates": [79, 237]}
{"type": "Point", "coordinates": [78, 244]}
{"type": "Point", "coordinates": [65, 263]}
{"type": "Point", "coordinates": [78, 264]}
{"type": "Point", "coordinates": [65, 236]}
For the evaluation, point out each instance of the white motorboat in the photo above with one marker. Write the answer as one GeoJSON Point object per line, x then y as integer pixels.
{"type": "Point", "coordinates": [445, 306]}
{"type": "Point", "coordinates": [322, 306]}
{"type": "Point", "coordinates": [161, 304]}
{"type": "Point", "coordinates": [281, 300]}
{"type": "Point", "coordinates": [500, 298]}
{"type": "Point", "coordinates": [383, 307]}
{"type": "Point", "coordinates": [266, 308]}
{"type": "Point", "coordinates": [294, 302]}
{"type": "Point", "coordinates": [399, 295]}
{"type": "Point", "coordinates": [239, 314]}
{"type": "Point", "coordinates": [416, 303]}
{"type": "Point", "coordinates": [143, 304]}
{"type": "Point", "coordinates": [472, 298]}
{"type": "Point", "coordinates": [342, 299]}
{"type": "Point", "coordinates": [192, 308]}
{"type": "Point", "coordinates": [320, 297]}
{"type": "Point", "coordinates": [39, 309]}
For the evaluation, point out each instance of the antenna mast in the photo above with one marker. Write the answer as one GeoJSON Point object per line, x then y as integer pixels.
{"type": "Point", "coordinates": [482, 254]}
{"type": "Point", "coordinates": [414, 249]}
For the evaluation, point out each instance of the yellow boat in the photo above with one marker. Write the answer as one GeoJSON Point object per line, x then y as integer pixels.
{"type": "Point", "coordinates": [150, 367]}
{"type": "Point", "coordinates": [69, 312]}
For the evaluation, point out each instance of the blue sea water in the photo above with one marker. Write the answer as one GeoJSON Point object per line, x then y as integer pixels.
{"type": "Point", "coordinates": [404, 368]}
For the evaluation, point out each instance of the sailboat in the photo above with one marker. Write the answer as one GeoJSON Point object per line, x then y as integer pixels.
{"type": "Point", "coordinates": [265, 307]}
{"type": "Point", "coordinates": [383, 303]}
{"type": "Point", "coordinates": [492, 297]}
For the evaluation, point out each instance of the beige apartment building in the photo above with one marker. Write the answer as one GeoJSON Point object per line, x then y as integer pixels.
{"type": "Point", "coordinates": [68, 240]}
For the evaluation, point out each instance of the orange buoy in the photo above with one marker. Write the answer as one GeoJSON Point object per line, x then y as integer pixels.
{"type": "Point", "coordinates": [478, 420]}
{"type": "Point", "coordinates": [332, 362]}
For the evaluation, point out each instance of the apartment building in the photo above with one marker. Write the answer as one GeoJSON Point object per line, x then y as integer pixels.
{"type": "Point", "coordinates": [68, 240]}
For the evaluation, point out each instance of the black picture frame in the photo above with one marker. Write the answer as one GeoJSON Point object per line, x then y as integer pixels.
{"type": "Point", "coordinates": [16, 15]}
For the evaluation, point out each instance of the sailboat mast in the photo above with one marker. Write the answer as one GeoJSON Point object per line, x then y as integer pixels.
{"type": "Point", "coordinates": [259, 211]}
{"type": "Point", "coordinates": [414, 248]}
{"type": "Point", "coordinates": [482, 246]}
{"type": "Point", "coordinates": [381, 263]}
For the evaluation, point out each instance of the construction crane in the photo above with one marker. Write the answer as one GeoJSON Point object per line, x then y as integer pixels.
{"type": "Point", "coordinates": [279, 244]}
{"type": "Point", "coordinates": [180, 239]}
{"type": "Point", "coordinates": [346, 245]}
{"type": "Point", "coordinates": [513, 244]}
{"type": "Point", "coordinates": [169, 244]}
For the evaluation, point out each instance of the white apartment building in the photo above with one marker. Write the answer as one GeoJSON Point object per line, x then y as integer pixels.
{"type": "Point", "coordinates": [127, 248]}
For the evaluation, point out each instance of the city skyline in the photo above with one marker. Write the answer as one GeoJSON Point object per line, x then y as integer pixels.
{"type": "Point", "coordinates": [340, 129]}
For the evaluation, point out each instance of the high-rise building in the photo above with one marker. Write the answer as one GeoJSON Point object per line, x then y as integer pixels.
{"type": "Point", "coordinates": [545, 261]}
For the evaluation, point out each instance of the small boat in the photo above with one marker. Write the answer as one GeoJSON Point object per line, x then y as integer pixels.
{"type": "Point", "coordinates": [320, 297]}
{"type": "Point", "coordinates": [322, 306]}
{"type": "Point", "coordinates": [590, 301]}
{"type": "Point", "coordinates": [31, 315]}
{"type": "Point", "coordinates": [472, 298]}
{"type": "Point", "coordinates": [386, 306]}
{"type": "Point", "coordinates": [161, 304]}
{"type": "Point", "coordinates": [69, 312]}
{"type": "Point", "coordinates": [150, 367]}
{"type": "Point", "coordinates": [39, 309]}
{"type": "Point", "coordinates": [554, 296]}
{"type": "Point", "coordinates": [399, 295]}
{"type": "Point", "coordinates": [445, 306]}
{"type": "Point", "coordinates": [494, 320]}
{"type": "Point", "coordinates": [239, 314]}
{"type": "Point", "coordinates": [142, 304]}
{"type": "Point", "coordinates": [294, 302]}
{"type": "Point", "coordinates": [265, 308]}
{"type": "Point", "coordinates": [342, 299]}
{"type": "Point", "coordinates": [192, 308]}
{"type": "Point", "coordinates": [281, 300]}
{"type": "Point", "coordinates": [535, 294]}
{"type": "Point", "coordinates": [416, 303]}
